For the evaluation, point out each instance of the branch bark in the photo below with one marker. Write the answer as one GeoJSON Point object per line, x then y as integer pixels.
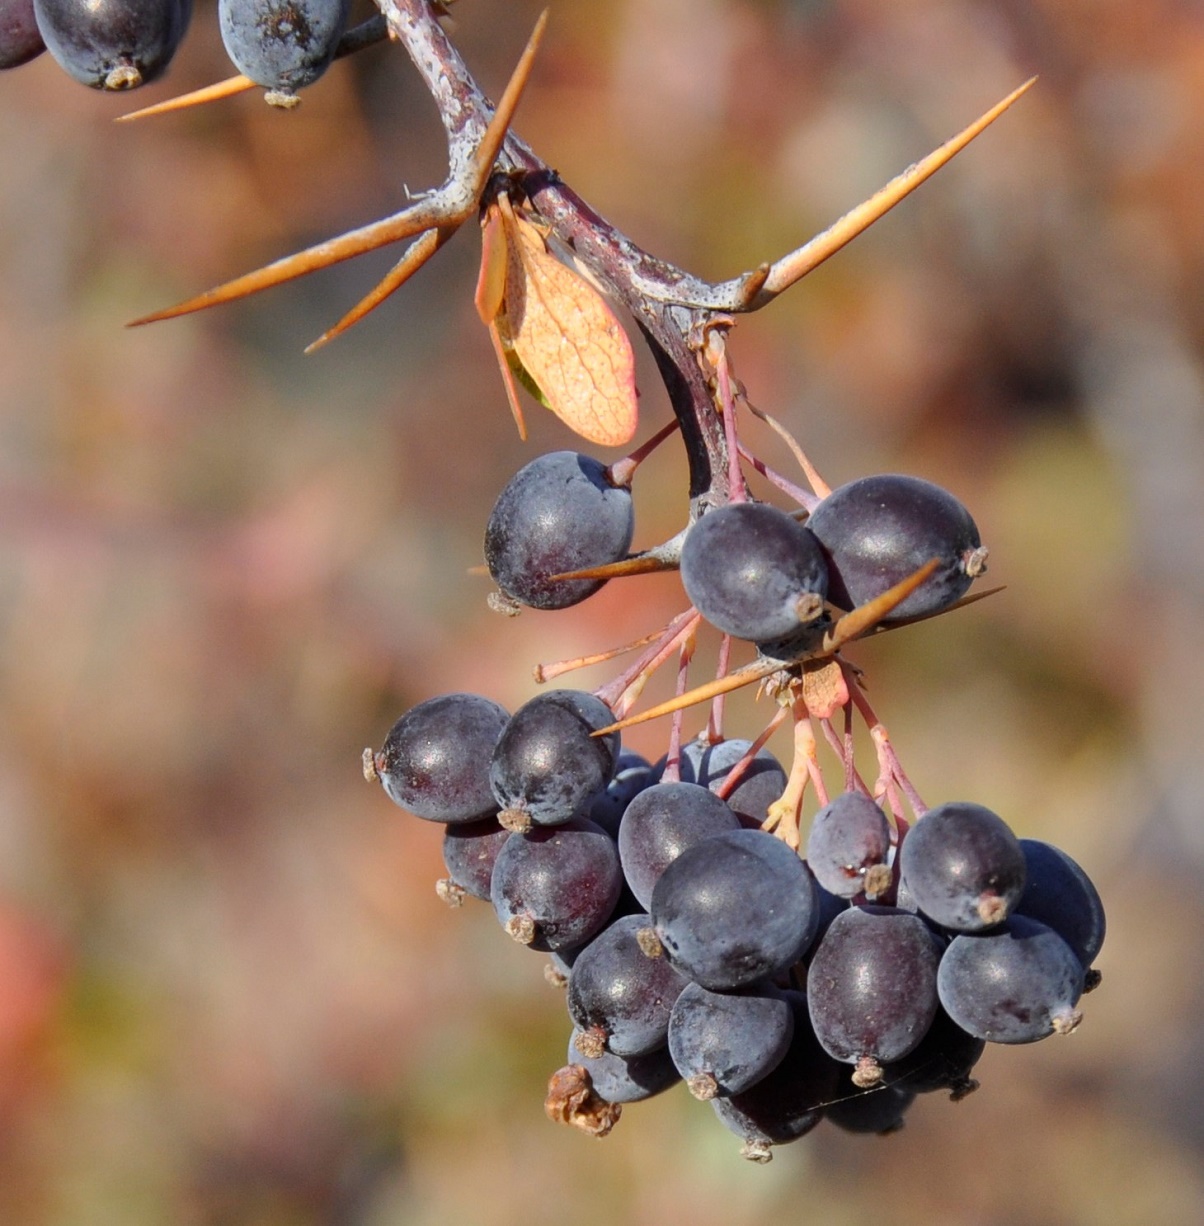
{"type": "Point", "coordinates": [651, 290]}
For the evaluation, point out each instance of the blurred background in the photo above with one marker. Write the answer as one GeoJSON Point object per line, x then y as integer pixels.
{"type": "Point", "coordinates": [228, 992]}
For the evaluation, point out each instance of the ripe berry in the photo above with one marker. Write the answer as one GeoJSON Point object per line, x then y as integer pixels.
{"type": "Point", "coordinates": [1060, 895]}
{"type": "Point", "coordinates": [113, 44]}
{"type": "Point", "coordinates": [470, 850]}
{"type": "Point", "coordinates": [283, 45]}
{"type": "Point", "coordinates": [633, 774]}
{"type": "Point", "coordinates": [618, 1079]}
{"type": "Point", "coordinates": [20, 40]}
{"type": "Point", "coordinates": [753, 571]}
{"type": "Point", "coordinates": [660, 823]}
{"type": "Point", "coordinates": [725, 1042]}
{"type": "Point", "coordinates": [790, 1100]}
{"type": "Point", "coordinates": [547, 762]}
{"type": "Point", "coordinates": [618, 996]}
{"type": "Point", "coordinates": [871, 988]}
{"type": "Point", "coordinates": [559, 513]}
{"type": "Point", "coordinates": [734, 909]}
{"type": "Point", "coordinates": [435, 760]}
{"type": "Point", "coordinates": [555, 888]}
{"type": "Point", "coordinates": [761, 783]}
{"type": "Point", "coordinates": [876, 531]}
{"type": "Point", "coordinates": [1015, 984]}
{"type": "Point", "coordinates": [848, 845]}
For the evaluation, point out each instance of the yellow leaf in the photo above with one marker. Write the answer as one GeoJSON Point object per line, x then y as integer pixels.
{"type": "Point", "coordinates": [565, 337]}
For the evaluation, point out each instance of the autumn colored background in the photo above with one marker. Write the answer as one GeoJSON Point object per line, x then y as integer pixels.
{"type": "Point", "coordinates": [228, 992]}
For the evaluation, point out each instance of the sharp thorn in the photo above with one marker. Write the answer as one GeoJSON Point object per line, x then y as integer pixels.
{"type": "Point", "coordinates": [640, 564]}
{"type": "Point", "coordinates": [750, 673]}
{"type": "Point", "coordinates": [865, 617]}
{"type": "Point", "coordinates": [198, 97]}
{"type": "Point", "coordinates": [789, 269]}
{"type": "Point", "coordinates": [416, 255]}
{"type": "Point", "coordinates": [495, 133]}
{"type": "Point", "coordinates": [322, 255]}
{"type": "Point", "coordinates": [972, 598]}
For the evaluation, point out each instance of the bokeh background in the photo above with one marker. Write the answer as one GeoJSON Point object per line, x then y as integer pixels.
{"type": "Point", "coordinates": [228, 992]}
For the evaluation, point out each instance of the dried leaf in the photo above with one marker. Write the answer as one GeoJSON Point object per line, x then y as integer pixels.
{"type": "Point", "coordinates": [565, 337]}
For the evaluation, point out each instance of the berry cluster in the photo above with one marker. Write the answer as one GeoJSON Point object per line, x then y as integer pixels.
{"type": "Point", "coordinates": [281, 45]}
{"type": "Point", "coordinates": [694, 939]}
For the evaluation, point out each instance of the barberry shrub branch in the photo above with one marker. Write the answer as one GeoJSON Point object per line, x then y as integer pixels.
{"type": "Point", "coordinates": [671, 307]}
{"type": "Point", "coordinates": [685, 904]}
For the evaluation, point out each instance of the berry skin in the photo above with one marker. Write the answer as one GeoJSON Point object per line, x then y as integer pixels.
{"type": "Point", "coordinates": [559, 513]}
{"type": "Point", "coordinates": [20, 40]}
{"type": "Point", "coordinates": [753, 571]}
{"type": "Point", "coordinates": [633, 774]}
{"type": "Point", "coordinates": [556, 887]}
{"type": "Point", "coordinates": [725, 1042]}
{"type": "Point", "coordinates": [660, 823]}
{"type": "Point", "coordinates": [1015, 984]}
{"type": "Point", "coordinates": [871, 988]}
{"type": "Point", "coordinates": [470, 850]}
{"type": "Point", "coordinates": [435, 760]}
{"type": "Point", "coordinates": [619, 996]}
{"type": "Point", "coordinates": [790, 1100]}
{"type": "Point", "coordinates": [760, 784]}
{"type": "Point", "coordinates": [941, 1061]}
{"type": "Point", "coordinates": [283, 45]}
{"type": "Point", "coordinates": [1060, 895]}
{"type": "Point", "coordinates": [734, 909]}
{"type": "Point", "coordinates": [962, 867]}
{"type": "Point", "coordinates": [875, 1112]}
{"type": "Point", "coordinates": [547, 763]}
{"type": "Point", "coordinates": [113, 44]}
{"type": "Point", "coordinates": [876, 531]}
{"type": "Point", "coordinates": [848, 841]}
{"type": "Point", "coordinates": [619, 1080]}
